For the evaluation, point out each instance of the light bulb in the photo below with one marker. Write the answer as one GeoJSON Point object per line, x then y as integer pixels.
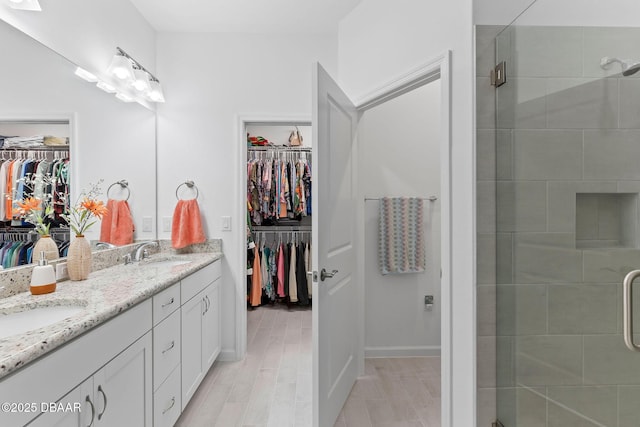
{"type": "Point", "coordinates": [85, 75]}
{"type": "Point", "coordinates": [155, 91]}
{"type": "Point", "coordinates": [124, 97]}
{"type": "Point", "coordinates": [141, 80]}
{"type": "Point", "coordinates": [106, 87]}
{"type": "Point", "coordinates": [121, 67]}
{"type": "Point", "coordinates": [32, 5]}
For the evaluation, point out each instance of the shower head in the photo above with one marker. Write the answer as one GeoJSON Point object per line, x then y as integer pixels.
{"type": "Point", "coordinates": [629, 66]}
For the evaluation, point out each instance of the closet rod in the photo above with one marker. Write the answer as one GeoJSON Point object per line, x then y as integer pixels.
{"type": "Point", "coordinates": [286, 228]}
{"type": "Point", "coordinates": [279, 148]}
{"type": "Point", "coordinates": [40, 148]}
{"type": "Point", "coordinates": [430, 198]}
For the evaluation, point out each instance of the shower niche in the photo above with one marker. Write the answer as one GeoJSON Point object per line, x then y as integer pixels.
{"type": "Point", "coordinates": [606, 220]}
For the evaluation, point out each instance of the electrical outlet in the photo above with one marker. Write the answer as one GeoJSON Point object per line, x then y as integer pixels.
{"type": "Point", "coordinates": [61, 271]}
{"type": "Point", "coordinates": [428, 302]}
{"type": "Point", "coordinates": [147, 224]}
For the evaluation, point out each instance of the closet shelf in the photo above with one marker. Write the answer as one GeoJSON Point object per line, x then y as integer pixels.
{"type": "Point", "coordinates": [35, 121]}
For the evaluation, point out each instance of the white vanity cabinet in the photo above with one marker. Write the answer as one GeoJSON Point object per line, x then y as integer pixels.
{"type": "Point", "coordinates": [200, 327]}
{"type": "Point", "coordinates": [166, 357]}
{"type": "Point", "coordinates": [138, 369]}
{"type": "Point", "coordinates": [122, 389]}
{"type": "Point", "coordinates": [111, 364]}
{"type": "Point", "coordinates": [81, 395]}
{"type": "Point", "coordinates": [118, 394]}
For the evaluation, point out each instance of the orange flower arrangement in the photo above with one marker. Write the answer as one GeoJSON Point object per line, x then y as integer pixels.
{"type": "Point", "coordinates": [79, 217]}
{"type": "Point", "coordinates": [32, 212]}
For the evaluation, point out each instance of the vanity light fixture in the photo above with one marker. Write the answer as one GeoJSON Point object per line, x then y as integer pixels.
{"type": "Point", "coordinates": [85, 75]}
{"type": "Point", "coordinates": [127, 69]}
{"type": "Point", "coordinates": [140, 81]}
{"type": "Point", "coordinates": [121, 67]}
{"type": "Point", "coordinates": [124, 97]}
{"type": "Point", "coordinates": [32, 5]}
{"type": "Point", "coordinates": [155, 92]}
{"type": "Point", "coordinates": [106, 87]}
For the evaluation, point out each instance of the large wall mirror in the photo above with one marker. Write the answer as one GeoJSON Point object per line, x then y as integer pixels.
{"type": "Point", "coordinates": [110, 141]}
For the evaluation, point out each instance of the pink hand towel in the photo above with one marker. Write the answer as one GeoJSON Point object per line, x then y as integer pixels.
{"type": "Point", "coordinates": [187, 225]}
{"type": "Point", "coordinates": [117, 224]}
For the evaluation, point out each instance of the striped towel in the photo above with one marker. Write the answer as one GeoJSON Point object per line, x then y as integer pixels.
{"type": "Point", "coordinates": [401, 243]}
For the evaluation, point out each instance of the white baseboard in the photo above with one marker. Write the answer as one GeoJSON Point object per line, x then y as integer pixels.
{"type": "Point", "coordinates": [402, 351]}
{"type": "Point", "coordinates": [228, 355]}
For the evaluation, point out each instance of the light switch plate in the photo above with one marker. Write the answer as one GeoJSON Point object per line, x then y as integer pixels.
{"type": "Point", "coordinates": [226, 223]}
{"type": "Point", "coordinates": [147, 224]}
{"type": "Point", "coordinates": [166, 224]}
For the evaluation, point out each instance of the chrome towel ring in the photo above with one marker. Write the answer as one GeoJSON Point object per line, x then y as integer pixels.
{"type": "Point", "coordinates": [190, 185]}
{"type": "Point", "coordinates": [124, 184]}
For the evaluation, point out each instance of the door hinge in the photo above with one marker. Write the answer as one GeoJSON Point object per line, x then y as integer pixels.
{"type": "Point", "coordinates": [499, 74]}
{"type": "Point", "coordinates": [497, 423]}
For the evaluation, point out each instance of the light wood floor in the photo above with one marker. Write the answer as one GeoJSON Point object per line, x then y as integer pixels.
{"type": "Point", "coordinates": [272, 386]}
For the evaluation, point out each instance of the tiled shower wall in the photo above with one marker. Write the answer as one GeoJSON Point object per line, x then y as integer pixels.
{"type": "Point", "coordinates": [567, 165]}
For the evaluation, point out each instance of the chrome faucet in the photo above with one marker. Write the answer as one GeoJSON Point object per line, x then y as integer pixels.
{"type": "Point", "coordinates": [141, 252]}
{"type": "Point", "coordinates": [105, 245]}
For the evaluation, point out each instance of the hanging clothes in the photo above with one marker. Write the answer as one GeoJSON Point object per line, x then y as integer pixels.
{"type": "Point", "coordinates": [256, 283]}
{"type": "Point", "coordinates": [293, 283]}
{"type": "Point", "coordinates": [301, 276]}
{"type": "Point", "coordinates": [278, 189]}
{"type": "Point", "coordinates": [281, 270]}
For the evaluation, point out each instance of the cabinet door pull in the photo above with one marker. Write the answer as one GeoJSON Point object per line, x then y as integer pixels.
{"type": "Point", "coordinates": [208, 302]}
{"type": "Point", "coordinates": [168, 303]}
{"type": "Point", "coordinates": [204, 309]}
{"type": "Point", "coordinates": [93, 410]}
{"type": "Point", "coordinates": [173, 344]}
{"type": "Point", "coordinates": [104, 396]}
{"type": "Point", "coordinates": [173, 402]}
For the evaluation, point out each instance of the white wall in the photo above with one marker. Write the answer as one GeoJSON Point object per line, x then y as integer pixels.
{"type": "Point", "coordinates": [88, 32]}
{"type": "Point", "coordinates": [400, 156]}
{"type": "Point", "coordinates": [211, 80]}
{"type": "Point", "coordinates": [380, 40]}
{"type": "Point", "coordinates": [610, 13]}
{"type": "Point", "coordinates": [112, 140]}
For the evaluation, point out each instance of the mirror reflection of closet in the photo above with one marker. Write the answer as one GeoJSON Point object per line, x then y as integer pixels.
{"type": "Point", "coordinates": [110, 140]}
{"type": "Point", "coordinates": [34, 165]}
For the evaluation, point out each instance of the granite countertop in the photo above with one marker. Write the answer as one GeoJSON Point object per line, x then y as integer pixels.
{"type": "Point", "coordinates": [105, 294]}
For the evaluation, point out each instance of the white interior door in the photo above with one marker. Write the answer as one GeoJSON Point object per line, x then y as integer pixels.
{"type": "Point", "coordinates": [334, 217]}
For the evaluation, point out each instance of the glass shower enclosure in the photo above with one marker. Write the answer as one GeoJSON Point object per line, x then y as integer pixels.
{"type": "Point", "coordinates": [567, 217]}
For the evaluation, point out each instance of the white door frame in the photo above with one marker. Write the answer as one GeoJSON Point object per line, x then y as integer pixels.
{"type": "Point", "coordinates": [434, 69]}
{"type": "Point", "coordinates": [438, 67]}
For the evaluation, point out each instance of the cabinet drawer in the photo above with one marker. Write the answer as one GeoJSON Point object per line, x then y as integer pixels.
{"type": "Point", "coordinates": [199, 280]}
{"type": "Point", "coordinates": [166, 348]}
{"type": "Point", "coordinates": [165, 303]}
{"type": "Point", "coordinates": [166, 401]}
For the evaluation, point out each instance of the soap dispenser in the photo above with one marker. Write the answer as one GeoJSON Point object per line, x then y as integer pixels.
{"type": "Point", "coordinates": [43, 278]}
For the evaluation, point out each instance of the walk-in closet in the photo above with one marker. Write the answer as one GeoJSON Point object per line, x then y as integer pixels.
{"type": "Point", "coordinates": [278, 217]}
{"type": "Point", "coordinates": [34, 173]}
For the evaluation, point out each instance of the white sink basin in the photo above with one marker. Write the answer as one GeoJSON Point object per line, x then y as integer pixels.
{"type": "Point", "coordinates": [18, 320]}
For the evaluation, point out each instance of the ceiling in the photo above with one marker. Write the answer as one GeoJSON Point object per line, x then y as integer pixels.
{"type": "Point", "coordinates": [253, 16]}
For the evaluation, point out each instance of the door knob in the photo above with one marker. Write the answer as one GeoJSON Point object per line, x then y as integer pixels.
{"type": "Point", "coordinates": [326, 275]}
